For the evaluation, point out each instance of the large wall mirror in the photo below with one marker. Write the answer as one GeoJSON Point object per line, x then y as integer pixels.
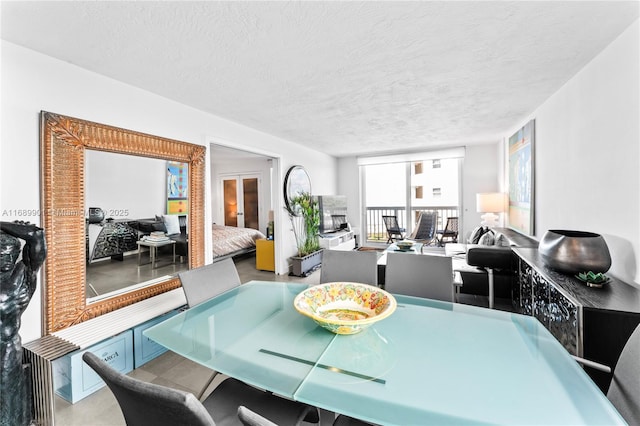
{"type": "Point", "coordinates": [82, 166]}
{"type": "Point", "coordinates": [127, 197]}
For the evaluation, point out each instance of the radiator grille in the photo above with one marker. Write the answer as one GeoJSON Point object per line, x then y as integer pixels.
{"type": "Point", "coordinates": [41, 352]}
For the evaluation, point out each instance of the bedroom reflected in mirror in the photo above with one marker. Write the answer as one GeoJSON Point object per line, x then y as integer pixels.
{"type": "Point", "coordinates": [136, 222]}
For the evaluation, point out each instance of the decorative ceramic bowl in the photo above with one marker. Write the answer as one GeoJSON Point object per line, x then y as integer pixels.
{"type": "Point", "coordinates": [574, 251]}
{"type": "Point", "coordinates": [405, 245]}
{"type": "Point", "coordinates": [345, 308]}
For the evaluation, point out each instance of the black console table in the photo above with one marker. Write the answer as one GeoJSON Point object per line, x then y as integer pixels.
{"type": "Point", "coordinates": [593, 323]}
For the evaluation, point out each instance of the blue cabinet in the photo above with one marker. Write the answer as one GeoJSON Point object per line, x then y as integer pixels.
{"type": "Point", "coordinates": [145, 349]}
{"type": "Point", "coordinates": [74, 380]}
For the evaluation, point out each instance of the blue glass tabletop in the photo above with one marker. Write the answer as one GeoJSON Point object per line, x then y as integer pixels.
{"type": "Point", "coordinates": [429, 362]}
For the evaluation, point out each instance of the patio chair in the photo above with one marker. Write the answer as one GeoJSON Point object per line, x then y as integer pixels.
{"type": "Point", "coordinates": [144, 403]}
{"type": "Point", "coordinates": [394, 232]}
{"type": "Point", "coordinates": [425, 230]}
{"type": "Point", "coordinates": [349, 266]}
{"type": "Point", "coordinates": [420, 275]}
{"type": "Point", "coordinates": [449, 233]}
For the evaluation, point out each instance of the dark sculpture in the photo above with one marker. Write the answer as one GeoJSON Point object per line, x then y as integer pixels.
{"type": "Point", "coordinates": [19, 280]}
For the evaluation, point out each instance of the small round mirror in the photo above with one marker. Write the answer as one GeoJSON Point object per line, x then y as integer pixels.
{"type": "Point", "coordinates": [296, 182]}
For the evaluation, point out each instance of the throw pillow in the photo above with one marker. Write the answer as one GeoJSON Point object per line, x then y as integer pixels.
{"type": "Point", "coordinates": [476, 234]}
{"type": "Point", "coordinates": [172, 224]}
{"type": "Point", "coordinates": [501, 240]}
{"type": "Point", "coordinates": [487, 239]}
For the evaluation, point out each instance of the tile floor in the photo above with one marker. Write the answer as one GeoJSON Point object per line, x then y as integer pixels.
{"type": "Point", "coordinates": [109, 275]}
{"type": "Point", "coordinates": [169, 369]}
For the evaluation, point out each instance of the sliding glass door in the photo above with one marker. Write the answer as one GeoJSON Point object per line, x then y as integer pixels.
{"type": "Point", "coordinates": [406, 188]}
{"type": "Point", "coordinates": [385, 189]}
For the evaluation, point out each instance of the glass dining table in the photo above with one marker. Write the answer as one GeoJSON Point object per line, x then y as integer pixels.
{"type": "Point", "coordinates": [430, 362]}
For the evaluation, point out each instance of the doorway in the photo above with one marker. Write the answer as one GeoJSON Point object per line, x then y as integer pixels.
{"type": "Point", "coordinates": [251, 178]}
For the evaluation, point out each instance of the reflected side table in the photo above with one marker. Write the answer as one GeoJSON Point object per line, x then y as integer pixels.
{"type": "Point", "coordinates": [153, 250]}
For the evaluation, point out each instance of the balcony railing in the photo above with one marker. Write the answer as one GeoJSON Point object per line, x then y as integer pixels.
{"type": "Point", "coordinates": [377, 232]}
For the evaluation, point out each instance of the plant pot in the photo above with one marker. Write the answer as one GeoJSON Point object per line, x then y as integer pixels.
{"type": "Point", "coordinates": [574, 251]}
{"type": "Point", "coordinates": [302, 266]}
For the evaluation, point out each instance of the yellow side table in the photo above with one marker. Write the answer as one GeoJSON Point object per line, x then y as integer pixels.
{"type": "Point", "coordinates": [265, 255]}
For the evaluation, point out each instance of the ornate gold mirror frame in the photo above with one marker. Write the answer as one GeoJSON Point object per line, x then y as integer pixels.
{"type": "Point", "coordinates": [63, 141]}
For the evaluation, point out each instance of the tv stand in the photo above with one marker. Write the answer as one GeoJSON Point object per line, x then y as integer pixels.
{"type": "Point", "coordinates": [339, 240]}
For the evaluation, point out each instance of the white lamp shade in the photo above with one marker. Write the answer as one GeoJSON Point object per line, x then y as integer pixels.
{"type": "Point", "coordinates": [490, 202]}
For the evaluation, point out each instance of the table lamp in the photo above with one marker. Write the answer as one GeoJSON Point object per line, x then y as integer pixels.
{"type": "Point", "coordinates": [490, 203]}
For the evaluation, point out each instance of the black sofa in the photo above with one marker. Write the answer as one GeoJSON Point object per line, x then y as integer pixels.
{"type": "Point", "coordinates": [499, 258]}
{"type": "Point", "coordinates": [147, 226]}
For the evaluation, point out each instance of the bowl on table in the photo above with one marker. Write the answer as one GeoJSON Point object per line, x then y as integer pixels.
{"type": "Point", "coordinates": [405, 245]}
{"type": "Point", "coordinates": [344, 307]}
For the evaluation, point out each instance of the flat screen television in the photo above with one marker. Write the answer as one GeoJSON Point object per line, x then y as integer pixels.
{"type": "Point", "coordinates": [333, 212]}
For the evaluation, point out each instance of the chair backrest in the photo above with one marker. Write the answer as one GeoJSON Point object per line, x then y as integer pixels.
{"type": "Point", "coordinates": [349, 266]}
{"type": "Point", "coordinates": [391, 223]}
{"type": "Point", "coordinates": [250, 418]}
{"type": "Point", "coordinates": [452, 225]}
{"type": "Point", "coordinates": [145, 403]}
{"type": "Point", "coordinates": [201, 284]}
{"type": "Point", "coordinates": [419, 275]}
{"type": "Point", "coordinates": [425, 227]}
{"type": "Point", "coordinates": [624, 391]}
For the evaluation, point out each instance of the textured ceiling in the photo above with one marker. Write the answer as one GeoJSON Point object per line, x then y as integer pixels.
{"type": "Point", "coordinates": [341, 77]}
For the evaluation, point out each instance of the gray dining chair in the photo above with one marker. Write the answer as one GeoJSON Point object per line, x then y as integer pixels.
{"type": "Point", "coordinates": [203, 283]}
{"type": "Point", "coordinates": [420, 275]}
{"type": "Point", "coordinates": [349, 266]}
{"type": "Point", "coordinates": [144, 403]}
{"type": "Point", "coordinates": [343, 420]}
{"type": "Point", "coordinates": [251, 418]}
{"type": "Point", "coordinates": [624, 391]}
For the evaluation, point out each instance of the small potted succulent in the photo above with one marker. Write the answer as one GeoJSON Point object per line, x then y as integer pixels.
{"type": "Point", "coordinates": [593, 279]}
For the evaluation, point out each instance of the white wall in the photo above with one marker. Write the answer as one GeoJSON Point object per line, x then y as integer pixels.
{"type": "Point", "coordinates": [588, 154]}
{"type": "Point", "coordinates": [31, 82]}
{"type": "Point", "coordinates": [349, 185]}
{"type": "Point", "coordinates": [125, 186]}
{"type": "Point", "coordinates": [479, 174]}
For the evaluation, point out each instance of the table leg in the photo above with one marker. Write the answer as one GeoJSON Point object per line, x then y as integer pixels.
{"type": "Point", "coordinates": [455, 286]}
{"type": "Point", "coordinates": [139, 252]}
{"type": "Point", "coordinates": [152, 253]}
{"type": "Point", "coordinates": [490, 278]}
{"type": "Point", "coordinates": [174, 253]}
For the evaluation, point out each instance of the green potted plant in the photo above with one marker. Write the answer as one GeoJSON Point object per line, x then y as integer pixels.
{"type": "Point", "coordinates": [305, 218]}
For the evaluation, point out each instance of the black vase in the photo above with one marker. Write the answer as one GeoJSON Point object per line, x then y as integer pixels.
{"type": "Point", "coordinates": [574, 251]}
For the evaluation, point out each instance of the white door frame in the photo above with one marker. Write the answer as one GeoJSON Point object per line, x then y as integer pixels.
{"type": "Point", "coordinates": [276, 195]}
